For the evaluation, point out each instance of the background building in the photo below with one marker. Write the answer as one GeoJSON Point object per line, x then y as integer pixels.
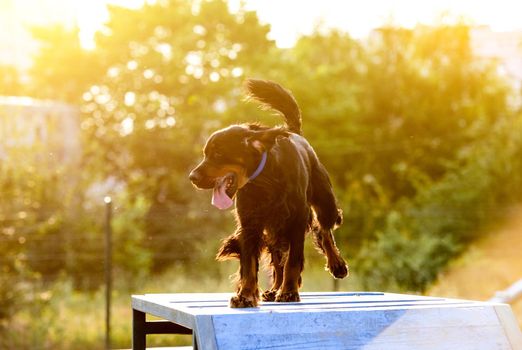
{"type": "Point", "coordinates": [46, 126]}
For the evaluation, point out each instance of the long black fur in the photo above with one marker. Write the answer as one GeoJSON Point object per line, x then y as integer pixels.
{"type": "Point", "coordinates": [273, 96]}
{"type": "Point", "coordinates": [292, 195]}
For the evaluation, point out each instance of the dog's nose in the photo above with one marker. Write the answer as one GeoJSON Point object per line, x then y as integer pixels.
{"type": "Point", "coordinates": [194, 176]}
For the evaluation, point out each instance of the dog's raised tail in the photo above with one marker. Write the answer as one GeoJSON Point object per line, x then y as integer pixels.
{"type": "Point", "coordinates": [273, 96]}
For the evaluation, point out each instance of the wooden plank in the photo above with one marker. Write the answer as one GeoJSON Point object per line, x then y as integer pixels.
{"type": "Point", "coordinates": [466, 328]}
{"type": "Point", "coordinates": [420, 328]}
{"type": "Point", "coordinates": [510, 325]}
{"type": "Point", "coordinates": [510, 294]}
{"type": "Point", "coordinates": [163, 309]}
{"type": "Point", "coordinates": [358, 320]}
{"type": "Point", "coordinates": [205, 333]}
{"type": "Point", "coordinates": [206, 305]}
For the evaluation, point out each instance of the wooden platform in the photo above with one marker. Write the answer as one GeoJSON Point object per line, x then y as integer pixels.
{"type": "Point", "coordinates": [330, 321]}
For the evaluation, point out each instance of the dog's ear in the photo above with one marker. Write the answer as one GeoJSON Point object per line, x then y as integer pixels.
{"type": "Point", "coordinates": [263, 140]}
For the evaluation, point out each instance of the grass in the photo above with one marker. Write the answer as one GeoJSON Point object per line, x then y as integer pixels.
{"type": "Point", "coordinates": [74, 320]}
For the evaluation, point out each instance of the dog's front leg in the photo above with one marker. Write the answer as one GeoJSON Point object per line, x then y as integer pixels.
{"type": "Point", "coordinates": [250, 242]}
{"type": "Point", "coordinates": [276, 263]}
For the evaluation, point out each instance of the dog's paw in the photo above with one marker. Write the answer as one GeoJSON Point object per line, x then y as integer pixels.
{"type": "Point", "coordinates": [269, 295]}
{"type": "Point", "coordinates": [286, 297]}
{"type": "Point", "coordinates": [241, 301]}
{"type": "Point", "coordinates": [338, 268]}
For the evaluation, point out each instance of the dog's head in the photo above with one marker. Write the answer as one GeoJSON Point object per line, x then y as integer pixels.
{"type": "Point", "coordinates": [231, 156]}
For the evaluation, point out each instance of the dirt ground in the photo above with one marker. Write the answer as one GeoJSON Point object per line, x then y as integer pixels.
{"type": "Point", "coordinates": [491, 264]}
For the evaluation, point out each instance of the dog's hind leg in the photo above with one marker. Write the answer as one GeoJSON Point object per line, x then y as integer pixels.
{"type": "Point", "coordinates": [328, 217]}
{"type": "Point", "coordinates": [325, 242]}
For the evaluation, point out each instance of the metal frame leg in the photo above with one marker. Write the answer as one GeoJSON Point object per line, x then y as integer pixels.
{"type": "Point", "coordinates": [139, 336]}
{"type": "Point", "coordinates": [194, 342]}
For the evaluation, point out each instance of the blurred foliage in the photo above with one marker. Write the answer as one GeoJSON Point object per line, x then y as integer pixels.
{"type": "Point", "coordinates": [166, 81]}
{"type": "Point", "coordinates": [28, 198]}
{"type": "Point", "coordinates": [10, 81]}
{"type": "Point", "coordinates": [417, 133]}
{"type": "Point", "coordinates": [62, 70]}
{"type": "Point", "coordinates": [444, 217]}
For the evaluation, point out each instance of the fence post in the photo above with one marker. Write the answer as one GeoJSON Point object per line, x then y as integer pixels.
{"type": "Point", "coordinates": [108, 270]}
{"type": "Point", "coordinates": [335, 285]}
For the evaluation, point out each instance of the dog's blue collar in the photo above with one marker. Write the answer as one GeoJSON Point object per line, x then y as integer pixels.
{"type": "Point", "coordinates": [260, 167]}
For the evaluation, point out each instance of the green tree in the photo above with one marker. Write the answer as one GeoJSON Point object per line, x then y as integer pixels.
{"type": "Point", "coordinates": [171, 76]}
{"type": "Point", "coordinates": [393, 118]}
{"type": "Point", "coordinates": [422, 235]}
{"type": "Point", "coordinates": [62, 70]}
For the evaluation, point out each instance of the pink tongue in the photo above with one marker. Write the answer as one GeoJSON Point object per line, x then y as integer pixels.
{"type": "Point", "coordinates": [220, 199]}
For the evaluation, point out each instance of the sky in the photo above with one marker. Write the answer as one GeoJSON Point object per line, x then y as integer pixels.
{"type": "Point", "coordinates": [289, 18]}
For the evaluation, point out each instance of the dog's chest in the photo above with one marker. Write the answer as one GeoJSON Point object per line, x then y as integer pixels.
{"type": "Point", "coordinates": [275, 238]}
{"type": "Point", "coordinates": [263, 196]}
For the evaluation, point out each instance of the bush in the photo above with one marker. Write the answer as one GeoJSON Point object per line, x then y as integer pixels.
{"type": "Point", "coordinates": [436, 225]}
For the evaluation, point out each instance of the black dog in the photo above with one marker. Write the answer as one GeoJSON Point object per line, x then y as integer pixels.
{"type": "Point", "coordinates": [282, 191]}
